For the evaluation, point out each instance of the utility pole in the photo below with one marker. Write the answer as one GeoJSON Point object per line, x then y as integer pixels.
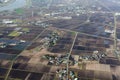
{"type": "Point", "coordinates": [117, 54]}
{"type": "Point", "coordinates": [115, 33]}
{"type": "Point", "coordinates": [32, 13]}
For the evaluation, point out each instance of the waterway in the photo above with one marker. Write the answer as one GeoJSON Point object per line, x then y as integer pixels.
{"type": "Point", "coordinates": [14, 5]}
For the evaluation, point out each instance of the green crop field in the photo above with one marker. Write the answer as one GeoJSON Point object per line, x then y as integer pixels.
{"type": "Point", "coordinates": [19, 11]}
{"type": "Point", "coordinates": [14, 34]}
{"type": "Point", "coordinates": [25, 29]}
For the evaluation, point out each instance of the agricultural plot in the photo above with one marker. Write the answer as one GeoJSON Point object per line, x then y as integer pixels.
{"type": "Point", "coordinates": [98, 24]}
{"type": "Point", "coordinates": [15, 40]}
{"type": "Point", "coordinates": [22, 75]}
{"type": "Point", "coordinates": [48, 52]}
{"type": "Point", "coordinates": [33, 58]}
{"type": "Point", "coordinates": [14, 34]}
{"type": "Point", "coordinates": [38, 43]}
{"type": "Point", "coordinates": [16, 74]}
{"type": "Point", "coordinates": [1, 78]}
{"type": "Point", "coordinates": [6, 31]}
{"type": "Point", "coordinates": [5, 63]}
{"type": "Point", "coordinates": [69, 24]}
{"type": "Point", "coordinates": [3, 72]}
{"type": "Point", "coordinates": [86, 45]}
{"type": "Point", "coordinates": [38, 68]}
{"type": "Point", "coordinates": [90, 74]}
{"type": "Point", "coordinates": [35, 76]}
{"type": "Point", "coordinates": [61, 46]}
{"type": "Point", "coordinates": [10, 46]}
{"type": "Point", "coordinates": [7, 56]}
{"type": "Point", "coordinates": [29, 33]}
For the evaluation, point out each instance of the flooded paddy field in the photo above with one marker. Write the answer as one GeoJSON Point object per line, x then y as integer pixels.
{"type": "Point", "coordinates": [14, 40]}
{"type": "Point", "coordinates": [7, 56]}
{"type": "Point", "coordinates": [10, 46]}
